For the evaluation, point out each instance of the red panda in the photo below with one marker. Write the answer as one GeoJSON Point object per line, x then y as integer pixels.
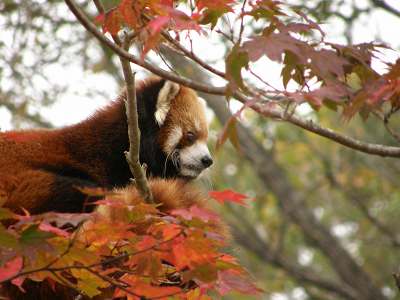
{"type": "Point", "coordinates": [40, 170]}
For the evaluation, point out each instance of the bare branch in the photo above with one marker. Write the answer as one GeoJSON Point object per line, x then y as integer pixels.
{"type": "Point", "coordinates": [382, 4]}
{"type": "Point", "coordinates": [309, 125]}
{"type": "Point", "coordinates": [242, 23]}
{"type": "Point", "coordinates": [132, 156]}
{"type": "Point", "coordinates": [99, 6]}
{"type": "Point", "coordinates": [385, 119]}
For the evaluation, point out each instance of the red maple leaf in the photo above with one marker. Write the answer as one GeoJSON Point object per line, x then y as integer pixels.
{"type": "Point", "coordinates": [196, 212]}
{"type": "Point", "coordinates": [112, 22]}
{"type": "Point", "coordinates": [228, 196]}
{"type": "Point", "coordinates": [11, 268]}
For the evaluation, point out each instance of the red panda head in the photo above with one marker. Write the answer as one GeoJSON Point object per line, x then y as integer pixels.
{"type": "Point", "coordinates": [183, 129]}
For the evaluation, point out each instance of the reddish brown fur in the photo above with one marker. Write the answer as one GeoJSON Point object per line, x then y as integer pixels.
{"type": "Point", "coordinates": [181, 114]}
{"type": "Point", "coordinates": [170, 194]}
{"type": "Point", "coordinates": [38, 168]}
{"type": "Point", "coordinates": [21, 185]}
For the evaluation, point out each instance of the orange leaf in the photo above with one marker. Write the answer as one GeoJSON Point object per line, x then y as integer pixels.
{"type": "Point", "coordinates": [147, 290]}
{"type": "Point", "coordinates": [146, 243]}
{"type": "Point", "coordinates": [129, 11]}
{"type": "Point", "coordinates": [228, 196]}
{"type": "Point", "coordinates": [193, 252]}
{"type": "Point", "coordinates": [112, 22]}
{"type": "Point", "coordinates": [229, 131]}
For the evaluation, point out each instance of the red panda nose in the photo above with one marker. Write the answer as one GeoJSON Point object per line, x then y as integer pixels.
{"type": "Point", "coordinates": [206, 161]}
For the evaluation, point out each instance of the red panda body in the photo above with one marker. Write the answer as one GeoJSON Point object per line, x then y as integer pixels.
{"type": "Point", "coordinates": [40, 170]}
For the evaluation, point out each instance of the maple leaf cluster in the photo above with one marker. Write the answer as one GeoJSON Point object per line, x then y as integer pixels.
{"type": "Point", "coordinates": [318, 72]}
{"type": "Point", "coordinates": [148, 18]}
{"type": "Point", "coordinates": [325, 73]}
{"type": "Point", "coordinates": [144, 254]}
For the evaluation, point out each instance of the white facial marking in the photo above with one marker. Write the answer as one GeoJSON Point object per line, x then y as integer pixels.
{"type": "Point", "coordinates": [189, 172]}
{"type": "Point", "coordinates": [190, 159]}
{"type": "Point", "coordinates": [174, 136]}
{"type": "Point", "coordinates": [197, 125]}
{"type": "Point", "coordinates": [166, 94]}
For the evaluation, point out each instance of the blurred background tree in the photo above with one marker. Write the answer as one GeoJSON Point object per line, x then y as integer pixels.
{"type": "Point", "coordinates": [324, 219]}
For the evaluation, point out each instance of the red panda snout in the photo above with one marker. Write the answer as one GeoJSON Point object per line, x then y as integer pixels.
{"type": "Point", "coordinates": [194, 159]}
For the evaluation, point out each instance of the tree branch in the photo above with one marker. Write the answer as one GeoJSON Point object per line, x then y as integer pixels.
{"type": "Point", "coordinates": [132, 156]}
{"type": "Point", "coordinates": [370, 148]}
{"type": "Point", "coordinates": [83, 19]}
{"type": "Point", "coordinates": [375, 149]}
{"type": "Point", "coordinates": [382, 4]}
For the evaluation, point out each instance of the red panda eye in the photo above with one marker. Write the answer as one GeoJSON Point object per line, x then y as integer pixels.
{"type": "Point", "coordinates": [190, 136]}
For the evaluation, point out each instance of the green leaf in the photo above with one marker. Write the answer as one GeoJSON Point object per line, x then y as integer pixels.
{"type": "Point", "coordinates": [88, 282]}
{"type": "Point", "coordinates": [7, 240]}
{"type": "Point", "coordinates": [32, 235]}
{"type": "Point", "coordinates": [235, 61]}
{"type": "Point", "coordinates": [5, 213]}
{"type": "Point", "coordinates": [229, 131]}
{"type": "Point", "coordinates": [354, 81]}
{"type": "Point", "coordinates": [211, 17]}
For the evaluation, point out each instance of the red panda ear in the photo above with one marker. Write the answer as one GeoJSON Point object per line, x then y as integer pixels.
{"type": "Point", "coordinates": [166, 94]}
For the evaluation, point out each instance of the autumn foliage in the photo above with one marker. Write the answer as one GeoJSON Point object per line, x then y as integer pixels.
{"type": "Point", "coordinates": [314, 70]}
{"type": "Point", "coordinates": [148, 254]}
{"type": "Point", "coordinates": [179, 256]}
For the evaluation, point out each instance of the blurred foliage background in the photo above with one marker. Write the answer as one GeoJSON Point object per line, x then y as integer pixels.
{"type": "Point", "coordinates": [322, 215]}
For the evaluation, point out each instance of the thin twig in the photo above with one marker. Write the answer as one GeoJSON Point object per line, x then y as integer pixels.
{"type": "Point", "coordinates": [385, 119]}
{"type": "Point", "coordinates": [99, 6]}
{"type": "Point", "coordinates": [382, 4]}
{"type": "Point", "coordinates": [132, 156]}
{"type": "Point", "coordinates": [104, 262]}
{"type": "Point", "coordinates": [241, 23]}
